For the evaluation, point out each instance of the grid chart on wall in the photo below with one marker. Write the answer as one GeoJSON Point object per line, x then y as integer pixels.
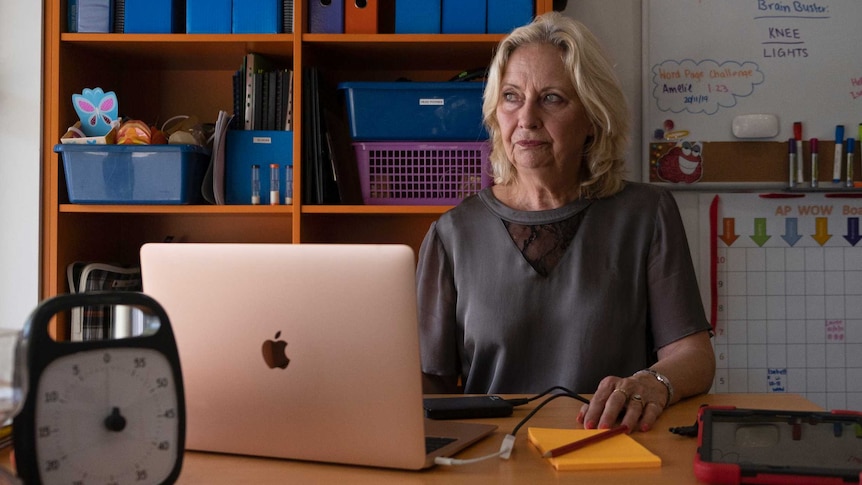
{"type": "Point", "coordinates": [787, 276]}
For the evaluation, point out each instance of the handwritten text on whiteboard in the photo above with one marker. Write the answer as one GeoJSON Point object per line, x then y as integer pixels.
{"type": "Point", "coordinates": [703, 86]}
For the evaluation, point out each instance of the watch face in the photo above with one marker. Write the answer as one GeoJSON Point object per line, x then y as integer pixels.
{"type": "Point", "coordinates": [107, 416]}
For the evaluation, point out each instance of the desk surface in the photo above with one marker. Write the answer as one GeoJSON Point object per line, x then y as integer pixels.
{"type": "Point", "coordinates": [676, 452]}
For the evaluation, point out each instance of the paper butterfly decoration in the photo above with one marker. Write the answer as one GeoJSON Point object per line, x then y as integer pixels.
{"type": "Point", "coordinates": [97, 110]}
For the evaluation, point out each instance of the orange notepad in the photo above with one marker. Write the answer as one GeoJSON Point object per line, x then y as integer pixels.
{"type": "Point", "coordinates": [620, 451]}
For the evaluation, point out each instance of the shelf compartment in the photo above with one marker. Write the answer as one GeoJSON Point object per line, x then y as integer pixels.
{"type": "Point", "coordinates": [184, 51]}
{"type": "Point", "coordinates": [401, 51]}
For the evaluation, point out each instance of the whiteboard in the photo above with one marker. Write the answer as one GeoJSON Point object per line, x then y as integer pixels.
{"type": "Point", "coordinates": [787, 279]}
{"type": "Point", "coordinates": [708, 61]}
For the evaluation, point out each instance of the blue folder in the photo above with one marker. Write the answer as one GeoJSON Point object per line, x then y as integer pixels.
{"type": "Point", "coordinates": [91, 16]}
{"type": "Point", "coordinates": [417, 16]}
{"type": "Point", "coordinates": [505, 15]}
{"type": "Point", "coordinates": [463, 17]}
{"type": "Point", "coordinates": [208, 16]}
{"type": "Point", "coordinates": [154, 16]}
{"type": "Point", "coordinates": [326, 16]}
{"type": "Point", "coordinates": [257, 17]}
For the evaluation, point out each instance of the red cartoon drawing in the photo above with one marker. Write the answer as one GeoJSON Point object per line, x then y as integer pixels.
{"type": "Point", "coordinates": [681, 164]}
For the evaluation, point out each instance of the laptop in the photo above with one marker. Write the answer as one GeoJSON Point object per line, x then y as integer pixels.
{"type": "Point", "coordinates": [300, 351]}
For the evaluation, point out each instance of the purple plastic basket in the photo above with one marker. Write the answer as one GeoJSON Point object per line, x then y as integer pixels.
{"type": "Point", "coordinates": [421, 173]}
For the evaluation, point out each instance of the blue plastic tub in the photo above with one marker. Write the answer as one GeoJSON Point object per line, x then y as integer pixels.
{"type": "Point", "coordinates": [384, 111]}
{"type": "Point", "coordinates": [134, 174]}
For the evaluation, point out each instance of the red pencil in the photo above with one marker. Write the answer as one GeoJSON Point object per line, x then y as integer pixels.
{"type": "Point", "coordinates": [577, 445]}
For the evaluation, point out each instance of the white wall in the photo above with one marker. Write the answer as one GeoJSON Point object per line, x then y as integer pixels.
{"type": "Point", "coordinates": [20, 130]}
{"type": "Point", "coordinates": [617, 24]}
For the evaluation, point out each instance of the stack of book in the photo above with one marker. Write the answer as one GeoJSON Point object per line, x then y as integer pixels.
{"type": "Point", "coordinates": [263, 95]}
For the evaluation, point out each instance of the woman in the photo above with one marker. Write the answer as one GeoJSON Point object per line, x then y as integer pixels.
{"type": "Point", "coordinates": [562, 274]}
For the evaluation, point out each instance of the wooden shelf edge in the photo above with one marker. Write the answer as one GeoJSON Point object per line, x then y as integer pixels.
{"type": "Point", "coordinates": [375, 209]}
{"type": "Point", "coordinates": [279, 210]}
{"type": "Point", "coordinates": [175, 209]}
{"type": "Point", "coordinates": [76, 37]}
{"type": "Point", "coordinates": [136, 38]}
{"type": "Point", "coordinates": [182, 51]}
{"type": "Point", "coordinates": [402, 38]}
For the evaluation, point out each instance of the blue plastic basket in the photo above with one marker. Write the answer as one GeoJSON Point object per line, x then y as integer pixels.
{"type": "Point", "coordinates": [415, 111]}
{"type": "Point", "coordinates": [134, 174]}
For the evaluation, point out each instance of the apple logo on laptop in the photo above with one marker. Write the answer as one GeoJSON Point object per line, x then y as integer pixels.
{"type": "Point", "coordinates": [273, 352]}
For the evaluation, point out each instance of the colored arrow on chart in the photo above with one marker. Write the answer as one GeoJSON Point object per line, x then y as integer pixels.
{"type": "Point", "coordinates": [791, 231]}
{"type": "Point", "coordinates": [853, 236]}
{"type": "Point", "coordinates": [760, 236]}
{"type": "Point", "coordinates": [821, 230]}
{"type": "Point", "coordinates": [729, 236]}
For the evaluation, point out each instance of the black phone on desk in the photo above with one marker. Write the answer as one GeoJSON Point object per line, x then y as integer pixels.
{"type": "Point", "coordinates": [774, 446]}
{"type": "Point", "coordinates": [466, 407]}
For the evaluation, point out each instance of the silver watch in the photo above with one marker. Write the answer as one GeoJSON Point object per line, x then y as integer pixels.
{"type": "Point", "coordinates": [661, 378]}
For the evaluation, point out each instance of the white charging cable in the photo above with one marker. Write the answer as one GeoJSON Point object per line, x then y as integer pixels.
{"type": "Point", "coordinates": [509, 440]}
{"type": "Point", "coordinates": [504, 453]}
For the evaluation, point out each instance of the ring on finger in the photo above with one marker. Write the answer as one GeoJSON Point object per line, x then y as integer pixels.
{"type": "Point", "coordinates": [654, 404]}
{"type": "Point", "coordinates": [619, 389]}
{"type": "Point", "coordinates": [637, 398]}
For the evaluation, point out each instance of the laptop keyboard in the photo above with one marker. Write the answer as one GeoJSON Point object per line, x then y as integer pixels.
{"type": "Point", "coordinates": [434, 443]}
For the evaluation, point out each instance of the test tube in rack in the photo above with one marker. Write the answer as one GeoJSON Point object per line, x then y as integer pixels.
{"type": "Point", "coordinates": [255, 184]}
{"type": "Point", "coordinates": [288, 184]}
{"type": "Point", "coordinates": [273, 184]}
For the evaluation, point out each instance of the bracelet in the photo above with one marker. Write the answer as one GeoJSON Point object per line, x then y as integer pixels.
{"type": "Point", "coordinates": [661, 378]}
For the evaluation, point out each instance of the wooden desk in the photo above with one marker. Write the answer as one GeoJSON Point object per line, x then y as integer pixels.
{"type": "Point", "coordinates": [525, 465]}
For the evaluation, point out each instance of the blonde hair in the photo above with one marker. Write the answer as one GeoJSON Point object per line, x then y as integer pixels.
{"type": "Point", "coordinates": [598, 89]}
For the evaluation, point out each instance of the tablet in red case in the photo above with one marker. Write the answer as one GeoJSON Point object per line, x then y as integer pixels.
{"type": "Point", "coordinates": [778, 447]}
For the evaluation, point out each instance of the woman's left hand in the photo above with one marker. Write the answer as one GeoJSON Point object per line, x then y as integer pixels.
{"type": "Point", "coordinates": [638, 401]}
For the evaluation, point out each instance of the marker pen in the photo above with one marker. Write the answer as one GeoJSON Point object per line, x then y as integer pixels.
{"type": "Point", "coordinates": [797, 134]}
{"type": "Point", "coordinates": [836, 162]}
{"type": "Point", "coordinates": [791, 151]}
{"type": "Point", "coordinates": [860, 133]}
{"type": "Point", "coordinates": [273, 184]}
{"type": "Point", "coordinates": [255, 184]}
{"type": "Point", "coordinates": [851, 147]}
{"type": "Point", "coordinates": [813, 144]}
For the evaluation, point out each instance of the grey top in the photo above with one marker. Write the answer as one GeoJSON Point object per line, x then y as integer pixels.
{"type": "Point", "coordinates": [624, 288]}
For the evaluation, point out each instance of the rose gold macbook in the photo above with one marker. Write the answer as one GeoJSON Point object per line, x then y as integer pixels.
{"type": "Point", "coordinates": [300, 351]}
